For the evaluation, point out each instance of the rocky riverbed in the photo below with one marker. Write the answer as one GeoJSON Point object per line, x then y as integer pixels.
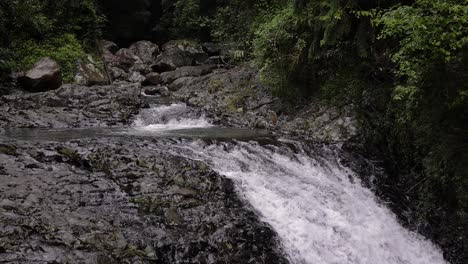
{"type": "Point", "coordinates": [116, 199]}
{"type": "Point", "coordinates": [122, 201]}
{"type": "Point", "coordinates": [130, 198]}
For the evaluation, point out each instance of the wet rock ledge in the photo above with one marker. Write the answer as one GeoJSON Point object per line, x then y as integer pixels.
{"type": "Point", "coordinates": [71, 106]}
{"type": "Point", "coordinates": [122, 201]}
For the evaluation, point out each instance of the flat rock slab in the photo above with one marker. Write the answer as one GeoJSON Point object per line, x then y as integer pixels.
{"type": "Point", "coordinates": [71, 106]}
{"type": "Point", "coordinates": [122, 201]}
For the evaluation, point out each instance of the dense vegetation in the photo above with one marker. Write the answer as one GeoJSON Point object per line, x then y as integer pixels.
{"type": "Point", "coordinates": [402, 64]}
{"type": "Point", "coordinates": [63, 30]}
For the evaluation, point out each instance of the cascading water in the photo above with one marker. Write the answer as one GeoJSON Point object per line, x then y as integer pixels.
{"type": "Point", "coordinates": [170, 117]}
{"type": "Point", "coordinates": [319, 209]}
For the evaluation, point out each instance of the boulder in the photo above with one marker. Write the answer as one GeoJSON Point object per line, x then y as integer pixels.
{"type": "Point", "coordinates": [89, 74]}
{"type": "Point", "coordinates": [136, 77]}
{"type": "Point", "coordinates": [141, 68]}
{"type": "Point", "coordinates": [43, 76]}
{"type": "Point", "coordinates": [157, 90]}
{"type": "Point", "coordinates": [109, 46]}
{"type": "Point", "coordinates": [161, 67]}
{"type": "Point", "coordinates": [212, 49]}
{"type": "Point", "coordinates": [125, 59]}
{"type": "Point", "coordinates": [179, 83]}
{"type": "Point", "coordinates": [180, 53]}
{"type": "Point", "coordinates": [186, 71]}
{"type": "Point", "coordinates": [153, 78]}
{"type": "Point", "coordinates": [118, 74]}
{"type": "Point", "coordinates": [146, 51]}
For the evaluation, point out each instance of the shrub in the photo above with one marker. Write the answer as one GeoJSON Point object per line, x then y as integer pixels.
{"type": "Point", "coordinates": [278, 49]}
{"type": "Point", "coordinates": [65, 49]}
{"type": "Point", "coordinates": [63, 30]}
{"type": "Point", "coordinates": [432, 34]}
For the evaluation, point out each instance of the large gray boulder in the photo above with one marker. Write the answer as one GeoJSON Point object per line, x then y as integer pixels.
{"type": "Point", "coordinates": [125, 59]}
{"type": "Point", "coordinates": [118, 74]}
{"type": "Point", "coordinates": [178, 53]}
{"type": "Point", "coordinates": [109, 46]}
{"type": "Point", "coordinates": [179, 83]}
{"type": "Point", "coordinates": [136, 77]}
{"type": "Point", "coordinates": [147, 51]}
{"type": "Point", "coordinates": [152, 79]}
{"type": "Point", "coordinates": [43, 76]}
{"type": "Point", "coordinates": [90, 74]}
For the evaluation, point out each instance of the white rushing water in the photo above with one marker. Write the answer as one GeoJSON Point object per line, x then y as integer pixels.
{"type": "Point", "coordinates": [170, 117]}
{"type": "Point", "coordinates": [321, 212]}
{"type": "Point", "coordinates": [321, 216]}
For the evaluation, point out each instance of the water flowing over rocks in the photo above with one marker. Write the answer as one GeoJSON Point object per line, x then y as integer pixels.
{"type": "Point", "coordinates": [175, 172]}
{"type": "Point", "coordinates": [238, 98]}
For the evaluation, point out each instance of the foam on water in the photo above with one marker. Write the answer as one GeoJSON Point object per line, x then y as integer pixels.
{"type": "Point", "coordinates": [170, 117]}
{"type": "Point", "coordinates": [321, 212]}
{"type": "Point", "coordinates": [321, 216]}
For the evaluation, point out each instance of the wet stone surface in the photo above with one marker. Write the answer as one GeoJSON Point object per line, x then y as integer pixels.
{"type": "Point", "coordinates": [122, 201]}
{"type": "Point", "coordinates": [71, 106]}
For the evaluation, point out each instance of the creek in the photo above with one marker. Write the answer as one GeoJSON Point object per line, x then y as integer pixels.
{"type": "Point", "coordinates": [318, 207]}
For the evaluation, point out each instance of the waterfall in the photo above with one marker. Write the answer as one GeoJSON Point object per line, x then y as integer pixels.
{"type": "Point", "coordinates": [319, 209]}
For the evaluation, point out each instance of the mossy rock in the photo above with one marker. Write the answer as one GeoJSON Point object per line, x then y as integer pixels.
{"type": "Point", "coordinates": [149, 204]}
{"type": "Point", "coordinates": [70, 154]}
{"type": "Point", "coordinates": [8, 150]}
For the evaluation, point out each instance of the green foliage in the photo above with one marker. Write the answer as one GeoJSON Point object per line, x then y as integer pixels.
{"type": "Point", "coordinates": [223, 21]}
{"type": "Point", "coordinates": [427, 113]}
{"type": "Point", "coordinates": [430, 31]}
{"type": "Point", "coordinates": [301, 45]}
{"type": "Point", "coordinates": [65, 49]}
{"type": "Point", "coordinates": [278, 50]}
{"type": "Point", "coordinates": [237, 20]}
{"type": "Point", "coordinates": [8, 150]}
{"type": "Point", "coordinates": [188, 21]}
{"type": "Point", "coordinates": [63, 30]}
{"type": "Point", "coordinates": [432, 35]}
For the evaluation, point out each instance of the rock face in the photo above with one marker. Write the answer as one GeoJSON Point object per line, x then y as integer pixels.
{"type": "Point", "coordinates": [89, 74]}
{"type": "Point", "coordinates": [109, 46]}
{"type": "Point", "coordinates": [153, 78]}
{"type": "Point", "coordinates": [71, 106]}
{"type": "Point", "coordinates": [43, 76]}
{"type": "Point", "coordinates": [186, 71]}
{"type": "Point", "coordinates": [136, 77]}
{"type": "Point", "coordinates": [142, 62]}
{"type": "Point", "coordinates": [132, 63]}
{"type": "Point", "coordinates": [178, 53]}
{"type": "Point", "coordinates": [145, 50]}
{"type": "Point", "coordinates": [121, 200]}
{"type": "Point", "coordinates": [157, 90]}
{"type": "Point", "coordinates": [125, 59]}
{"type": "Point", "coordinates": [239, 98]}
